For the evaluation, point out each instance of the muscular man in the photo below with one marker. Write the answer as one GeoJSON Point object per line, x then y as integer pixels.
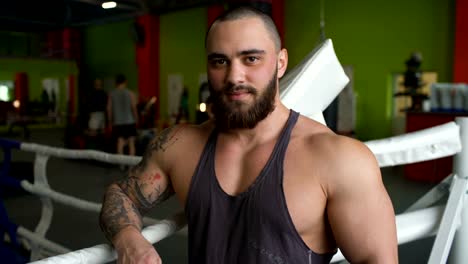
{"type": "Point", "coordinates": [260, 183]}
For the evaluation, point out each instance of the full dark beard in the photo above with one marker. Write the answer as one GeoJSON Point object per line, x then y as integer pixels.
{"type": "Point", "coordinates": [230, 115]}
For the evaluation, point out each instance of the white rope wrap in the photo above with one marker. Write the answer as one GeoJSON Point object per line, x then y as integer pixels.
{"type": "Point", "coordinates": [47, 210]}
{"type": "Point", "coordinates": [70, 200]}
{"type": "Point", "coordinates": [104, 253]}
{"type": "Point", "coordinates": [60, 197]}
{"type": "Point", "coordinates": [80, 154]}
{"type": "Point", "coordinates": [428, 144]}
{"type": "Point", "coordinates": [41, 241]}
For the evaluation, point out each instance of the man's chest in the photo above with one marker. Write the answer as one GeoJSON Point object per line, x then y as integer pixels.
{"type": "Point", "coordinates": [236, 172]}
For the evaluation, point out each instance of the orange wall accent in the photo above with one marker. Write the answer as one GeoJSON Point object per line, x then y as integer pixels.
{"type": "Point", "coordinates": [71, 97]}
{"type": "Point", "coordinates": [147, 58]}
{"type": "Point", "coordinates": [212, 13]}
{"type": "Point", "coordinates": [277, 10]}
{"type": "Point", "coordinates": [22, 90]}
{"type": "Point", "coordinates": [460, 67]}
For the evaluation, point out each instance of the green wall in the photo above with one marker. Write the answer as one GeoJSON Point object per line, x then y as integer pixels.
{"type": "Point", "coordinates": [108, 50]}
{"type": "Point", "coordinates": [375, 38]}
{"type": "Point", "coordinates": [37, 70]}
{"type": "Point", "coordinates": [19, 44]}
{"type": "Point", "coordinates": [182, 51]}
{"type": "Point", "coordinates": [20, 52]}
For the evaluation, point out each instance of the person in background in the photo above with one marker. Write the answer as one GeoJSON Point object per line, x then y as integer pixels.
{"type": "Point", "coordinates": [97, 107]}
{"type": "Point", "coordinates": [183, 115]}
{"type": "Point", "coordinates": [122, 115]}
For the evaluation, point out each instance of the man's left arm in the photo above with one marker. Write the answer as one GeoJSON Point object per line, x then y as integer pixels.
{"type": "Point", "coordinates": [359, 209]}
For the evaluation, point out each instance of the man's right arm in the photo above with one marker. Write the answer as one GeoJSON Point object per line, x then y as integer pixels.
{"type": "Point", "coordinates": [146, 185]}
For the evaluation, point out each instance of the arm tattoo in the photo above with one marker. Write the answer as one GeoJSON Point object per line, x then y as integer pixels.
{"type": "Point", "coordinates": [118, 212]}
{"type": "Point", "coordinates": [125, 201]}
{"type": "Point", "coordinates": [130, 185]}
{"type": "Point", "coordinates": [161, 143]}
{"type": "Point", "coordinates": [162, 140]}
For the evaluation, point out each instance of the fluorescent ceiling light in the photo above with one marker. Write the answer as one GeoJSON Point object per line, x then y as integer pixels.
{"type": "Point", "coordinates": [4, 93]}
{"type": "Point", "coordinates": [108, 5]}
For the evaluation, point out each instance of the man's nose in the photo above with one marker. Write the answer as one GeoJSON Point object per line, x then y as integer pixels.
{"type": "Point", "coordinates": [236, 73]}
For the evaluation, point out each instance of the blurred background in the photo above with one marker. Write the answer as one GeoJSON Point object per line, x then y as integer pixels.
{"type": "Point", "coordinates": [407, 61]}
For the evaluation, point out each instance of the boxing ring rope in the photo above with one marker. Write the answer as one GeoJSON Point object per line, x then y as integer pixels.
{"type": "Point", "coordinates": [417, 223]}
{"type": "Point", "coordinates": [40, 246]}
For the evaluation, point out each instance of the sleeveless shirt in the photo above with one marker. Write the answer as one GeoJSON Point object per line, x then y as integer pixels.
{"type": "Point", "coordinates": [122, 107]}
{"type": "Point", "coordinates": [251, 227]}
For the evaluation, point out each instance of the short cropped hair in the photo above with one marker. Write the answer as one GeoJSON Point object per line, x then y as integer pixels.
{"type": "Point", "coordinates": [119, 79]}
{"type": "Point", "coordinates": [248, 12]}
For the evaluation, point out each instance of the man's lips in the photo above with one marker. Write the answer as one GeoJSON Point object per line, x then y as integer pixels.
{"type": "Point", "coordinates": [237, 95]}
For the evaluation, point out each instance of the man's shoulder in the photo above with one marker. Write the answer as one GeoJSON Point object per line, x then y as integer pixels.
{"type": "Point", "coordinates": [185, 137]}
{"type": "Point", "coordinates": [318, 135]}
{"type": "Point", "coordinates": [321, 143]}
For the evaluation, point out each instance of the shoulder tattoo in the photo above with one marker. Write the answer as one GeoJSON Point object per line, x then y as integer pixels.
{"type": "Point", "coordinates": [162, 142]}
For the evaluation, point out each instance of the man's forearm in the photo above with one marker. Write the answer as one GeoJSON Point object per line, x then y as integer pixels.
{"type": "Point", "coordinates": [118, 212]}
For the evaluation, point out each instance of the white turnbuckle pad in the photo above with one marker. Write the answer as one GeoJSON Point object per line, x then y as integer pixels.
{"type": "Point", "coordinates": [313, 84]}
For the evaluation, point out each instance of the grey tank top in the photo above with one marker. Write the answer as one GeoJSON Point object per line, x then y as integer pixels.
{"type": "Point", "coordinates": [252, 227]}
{"type": "Point", "coordinates": [122, 107]}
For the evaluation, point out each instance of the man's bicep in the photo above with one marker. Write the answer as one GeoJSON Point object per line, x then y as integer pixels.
{"type": "Point", "coordinates": [362, 217]}
{"type": "Point", "coordinates": [149, 182]}
{"type": "Point", "coordinates": [146, 188]}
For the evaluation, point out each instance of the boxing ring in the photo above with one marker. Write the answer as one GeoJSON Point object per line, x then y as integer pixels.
{"type": "Point", "coordinates": [448, 222]}
{"type": "Point", "coordinates": [418, 222]}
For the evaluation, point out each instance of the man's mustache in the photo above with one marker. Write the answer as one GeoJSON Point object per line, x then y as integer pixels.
{"type": "Point", "coordinates": [239, 88]}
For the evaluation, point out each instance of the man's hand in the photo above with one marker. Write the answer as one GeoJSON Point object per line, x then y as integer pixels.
{"type": "Point", "coordinates": [133, 248]}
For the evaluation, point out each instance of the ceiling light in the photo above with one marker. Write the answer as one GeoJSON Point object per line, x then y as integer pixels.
{"type": "Point", "coordinates": [108, 5]}
{"type": "Point", "coordinates": [16, 104]}
{"type": "Point", "coordinates": [202, 107]}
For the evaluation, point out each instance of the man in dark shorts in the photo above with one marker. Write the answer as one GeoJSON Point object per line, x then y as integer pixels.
{"type": "Point", "coordinates": [122, 115]}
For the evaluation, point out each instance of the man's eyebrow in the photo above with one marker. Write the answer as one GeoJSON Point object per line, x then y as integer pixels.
{"type": "Point", "coordinates": [215, 55]}
{"type": "Point", "coordinates": [250, 52]}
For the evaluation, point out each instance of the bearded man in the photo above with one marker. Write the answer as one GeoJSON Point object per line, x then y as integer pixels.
{"type": "Point", "coordinates": [260, 183]}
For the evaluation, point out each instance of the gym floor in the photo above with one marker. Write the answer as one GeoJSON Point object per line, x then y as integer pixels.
{"type": "Point", "coordinates": [88, 179]}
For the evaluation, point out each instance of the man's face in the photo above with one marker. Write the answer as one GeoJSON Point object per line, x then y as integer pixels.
{"type": "Point", "coordinates": [242, 72]}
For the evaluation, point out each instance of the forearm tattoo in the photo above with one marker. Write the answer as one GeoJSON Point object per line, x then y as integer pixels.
{"type": "Point", "coordinates": [118, 212]}
{"type": "Point", "coordinates": [125, 203]}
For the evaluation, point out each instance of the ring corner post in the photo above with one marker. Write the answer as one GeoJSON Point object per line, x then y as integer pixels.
{"type": "Point", "coordinates": [459, 254]}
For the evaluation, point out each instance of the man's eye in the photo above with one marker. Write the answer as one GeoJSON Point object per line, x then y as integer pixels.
{"type": "Point", "coordinates": [252, 59]}
{"type": "Point", "coordinates": [219, 62]}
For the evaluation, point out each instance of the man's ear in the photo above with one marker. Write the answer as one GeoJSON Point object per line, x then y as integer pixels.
{"type": "Point", "coordinates": [282, 62]}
